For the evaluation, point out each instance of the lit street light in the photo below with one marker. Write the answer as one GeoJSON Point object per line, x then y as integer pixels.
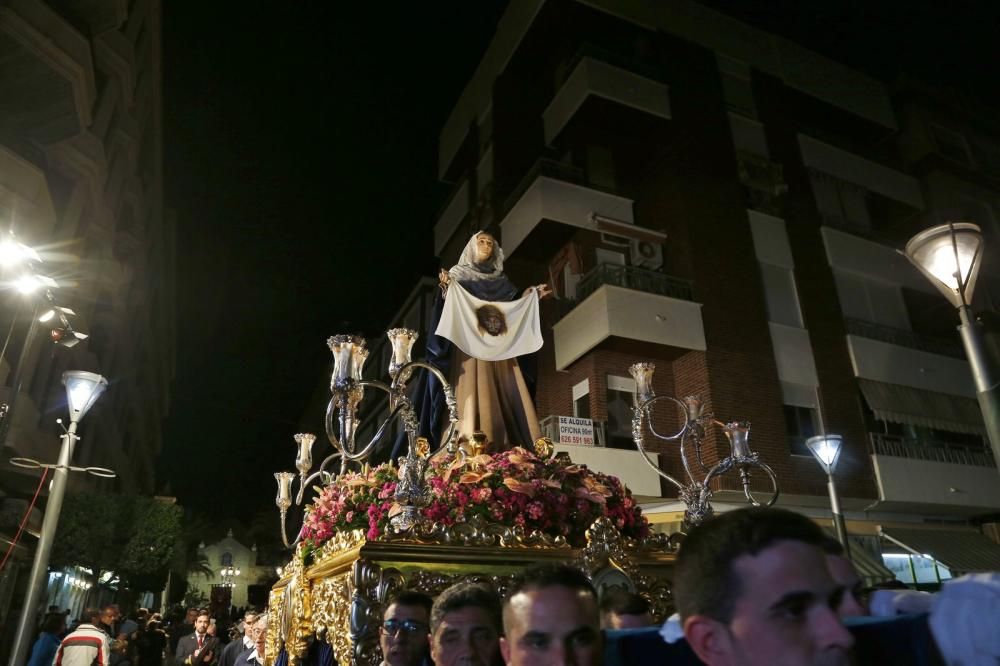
{"type": "Point", "coordinates": [82, 391]}
{"type": "Point", "coordinates": [826, 451]}
{"type": "Point", "coordinates": [13, 253]}
{"type": "Point", "coordinates": [229, 575]}
{"type": "Point", "coordinates": [949, 255]}
{"type": "Point", "coordinates": [28, 283]}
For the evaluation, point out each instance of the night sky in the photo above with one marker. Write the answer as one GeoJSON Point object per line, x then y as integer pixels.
{"type": "Point", "coordinates": [300, 158]}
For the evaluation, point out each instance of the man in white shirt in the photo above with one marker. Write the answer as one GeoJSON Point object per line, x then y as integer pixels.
{"type": "Point", "coordinates": [86, 645]}
{"type": "Point", "coordinates": [255, 655]}
{"type": "Point", "coordinates": [241, 644]}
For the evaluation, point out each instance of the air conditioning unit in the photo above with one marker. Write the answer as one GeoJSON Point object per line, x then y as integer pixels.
{"type": "Point", "coordinates": [646, 254]}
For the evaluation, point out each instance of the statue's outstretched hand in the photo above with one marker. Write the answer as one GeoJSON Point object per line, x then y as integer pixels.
{"type": "Point", "coordinates": [542, 290]}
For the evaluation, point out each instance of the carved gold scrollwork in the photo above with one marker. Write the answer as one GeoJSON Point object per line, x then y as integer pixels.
{"type": "Point", "coordinates": [331, 614]}
{"type": "Point", "coordinates": [606, 546]}
{"type": "Point", "coordinates": [658, 542]}
{"type": "Point", "coordinates": [275, 631]}
{"type": "Point", "coordinates": [339, 543]}
{"type": "Point", "coordinates": [435, 582]}
{"type": "Point", "coordinates": [476, 531]}
{"type": "Point", "coordinates": [344, 602]}
{"type": "Point", "coordinates": [659, 595]}
{"type": "Point", "coordinates": [607, 550]}
{"type": "Point", "coordinates": [301, 627]}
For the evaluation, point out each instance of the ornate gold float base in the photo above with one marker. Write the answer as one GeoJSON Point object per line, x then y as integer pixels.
{"type": "Point", "coordinates": [341, 596]}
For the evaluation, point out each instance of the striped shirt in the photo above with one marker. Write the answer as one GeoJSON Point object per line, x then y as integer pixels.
{"type": "Point", "coordinates": [87, 646]}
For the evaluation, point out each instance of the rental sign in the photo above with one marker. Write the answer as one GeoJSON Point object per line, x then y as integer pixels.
{"type": "Point", "coordinates": [574, 430]}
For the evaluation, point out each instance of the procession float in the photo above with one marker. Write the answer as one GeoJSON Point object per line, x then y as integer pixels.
{"type": "Point", "coordinates": [471, 490]}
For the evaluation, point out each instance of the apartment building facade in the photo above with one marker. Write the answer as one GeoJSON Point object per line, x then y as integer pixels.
{"type": "Point", "coordinates": [729, 205]}
{"type": "Point", "coordinates": [81, 181]}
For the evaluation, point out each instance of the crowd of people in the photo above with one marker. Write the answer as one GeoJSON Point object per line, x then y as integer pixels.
{"type": "Point", "coordinates": [753, 586]}
{"type": "Point", "coordinates": [105, 637]}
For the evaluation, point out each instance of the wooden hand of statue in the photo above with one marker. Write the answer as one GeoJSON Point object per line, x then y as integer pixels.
{"type": "Point", "coordinates": [543, 291]}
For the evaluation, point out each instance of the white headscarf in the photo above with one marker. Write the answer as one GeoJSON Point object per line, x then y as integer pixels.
{"type": "Point", "coordinates": [467, 268]}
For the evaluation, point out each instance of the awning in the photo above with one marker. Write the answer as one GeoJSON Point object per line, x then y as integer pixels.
{"type": "Point", "coordinates": [870, 569]}
{"type": "Point", "coordinates": [912, 406]}
{"type": "Point", "coordinates": [962, 551]}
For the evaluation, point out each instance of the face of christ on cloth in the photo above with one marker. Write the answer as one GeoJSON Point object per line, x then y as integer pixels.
{"type": "Point", "coordinates": [491, 320]}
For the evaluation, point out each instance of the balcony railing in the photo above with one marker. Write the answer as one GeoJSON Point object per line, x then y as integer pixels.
{"type": "Point", "coordinates": [895, 336]}
{"type": "Point", "coordinates": [550, 429]}
{"type": "Point", "coordinates": [631, 277]}
{"type": "Point", "coordinates": [932, 450]}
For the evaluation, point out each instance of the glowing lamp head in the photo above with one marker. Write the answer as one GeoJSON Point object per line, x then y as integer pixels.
{"type": "Point", "coordinates": [13, 253]}
{"type": "Point", "coordinates": [10, 253]}
{"type": "Point", "coordinates": [82, 391]}
{"type": "Point", "coordinates": [27, 284]}
{"type": "Point", "coordinates": [949, 256]}
{"type": "Point", "coordinates": [826, 449]}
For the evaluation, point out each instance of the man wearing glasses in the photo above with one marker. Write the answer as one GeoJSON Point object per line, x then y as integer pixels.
{"type": "Point", "coordinates": [404, 632]}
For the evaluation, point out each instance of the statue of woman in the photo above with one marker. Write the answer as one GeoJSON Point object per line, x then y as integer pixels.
{"type": "Point", "coordinates": [492, 392]}
{"type": "Point", "coordinates": [488, 335]}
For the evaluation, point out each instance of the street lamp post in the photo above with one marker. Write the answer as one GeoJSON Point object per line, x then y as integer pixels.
{"type": "Point", "coordinates": [82, 391]}
{"type": "Point", "coordinates": [949, 255]}
{"type": "Point", "coordinates": [826, 450]}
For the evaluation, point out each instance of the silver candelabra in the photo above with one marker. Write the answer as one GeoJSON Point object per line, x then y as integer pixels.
{"type": "Point", "coordinates": [348, 390]}
{"type": "Point", "coordinates": [696, 494]}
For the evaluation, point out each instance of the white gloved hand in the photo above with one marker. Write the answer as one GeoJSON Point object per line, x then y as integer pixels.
{"type": "Point", "coordinates": [672, 631]}
{"type": "Point", "coordinates": [965, 620]}
{"type": "Point", "coordinates": [888, 603]}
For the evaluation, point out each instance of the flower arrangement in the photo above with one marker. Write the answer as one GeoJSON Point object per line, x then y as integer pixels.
{"type": "Point", "coordinates": [516, 488]}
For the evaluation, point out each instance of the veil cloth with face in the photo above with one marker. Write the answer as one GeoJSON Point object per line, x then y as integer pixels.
{"type": "Point", "coordinates": [494, 397]}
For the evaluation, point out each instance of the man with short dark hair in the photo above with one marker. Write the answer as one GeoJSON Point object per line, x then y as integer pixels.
{"type": "Point", "coordinates": [181, 630]}
{"type": "Point", "coordinates": [198, 649]}
{"type": "Point", "coordinates": [403, 635]}
{"type": "Point", "coordinates": [109, 620]}
{"type": "Point", "coordinates": [85, 645]}
{"type": "Point", "coordinates": [621, 609]}
{"type": "Point", "coordinates": [551, 617]}
{"type": "Point", "coordinates": [752, 587]}
{"type": "Point", "coordinates": [240, 643]}
{"type": "Point", "coordinates": [466, 626]}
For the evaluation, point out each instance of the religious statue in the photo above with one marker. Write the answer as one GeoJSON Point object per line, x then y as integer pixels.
{"type": "Point", "coordinates": [481, 326]}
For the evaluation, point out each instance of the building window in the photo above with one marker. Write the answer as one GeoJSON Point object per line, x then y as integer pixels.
{"type": "Point", "coordinates": [868, 300]}
{"type": "Point", "coordinates": [611, 257]}
{"type": "Point", "coordinates": [601, 168]}
{"type": "Point", "coordinates": [736, 85]}
{"type": "Point", "coordinates": [621, 399]}
{"type": "Point", "coordinates": [581, 400]}
{"type": "Point", "coordinates": [779, 292]}
{"type": "Point", "coordinates": [841, 203]}
{"type": "Point", "coordinates": [801, 423]}
{"type": "Point", "coordinates": [951, 144]}
{"type": "Point", "coordinates": [227, 559]}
